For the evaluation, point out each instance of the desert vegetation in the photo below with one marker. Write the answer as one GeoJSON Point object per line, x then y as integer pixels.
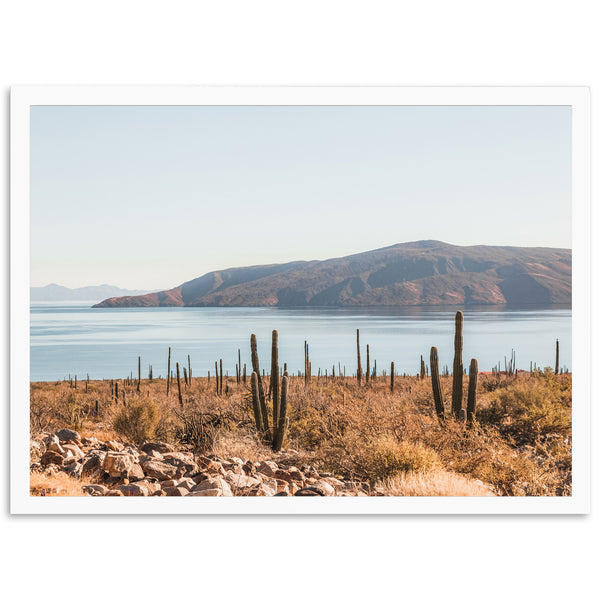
{"type": "Point", "coordinates": [461, 433]}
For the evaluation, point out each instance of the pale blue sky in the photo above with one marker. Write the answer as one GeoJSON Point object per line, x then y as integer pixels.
{"type": "Point", "coordinates": [150, 197]}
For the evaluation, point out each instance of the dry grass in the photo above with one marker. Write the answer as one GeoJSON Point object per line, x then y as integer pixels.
{"type": "Point", "coordinates": [436, 483]}
{"type": "Point", "coordinates": [520, 444]}
{"type": "Point", "coordinates": [58, 484]}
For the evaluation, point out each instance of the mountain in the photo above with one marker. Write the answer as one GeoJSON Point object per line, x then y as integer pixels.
{"type": "Point", "coordinates": [408, 274]}
{"type": "Point", "coordinates": [91, 293]}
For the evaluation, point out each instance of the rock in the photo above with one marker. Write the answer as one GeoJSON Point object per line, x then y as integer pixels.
{"type": "Point", "coordinates": [89, 441]}
{"type": "Point", "coordinates": [135, 472]}
{"type": "Point", "coordinates": [151, 486]}
{"type": "Point", "coordinates": [95, 490]}
{"type": "Point", "coordinates": [56, 447]}
{"type": "Point", "coordinates": [133, 489]}
{"type": "Point", "coordinates": [51, 458]}
{"type": "Point", "coordinates": [157, 446]}
{"type": "Point", "coordinates": [283, 487]}
{"type": "Point", "coordinates": [175, 491]}
{"type": "Point", "coordinates": [114, 493]}
{"type": "Point", "coordinates": [178, 455]}
{"type": "Point", "coordinates": [186, 483]}
{"type": "Point", "coordinates": [159, 493]}
{"type": "Point", "coordinates": [159, 469]}
{"type": "Point", "coordinates": [290, 474]}
{"type": "Point", "coordinates": [271, 484]}
{"type": "Point", "coordinates": [169, 483]}
{"type": "Point", "coordinates": [268, 468]}
{"type": "Point", "coordinates": [36, 449]}
{"type": "Point", "coordinates": [67, 435]}
{"type": "Point", "coordinates": [320, 488]}
{"type": "Point", "coordinates": [154, 454]}
{"type": "Point", "coordinates": [75, 450]}
{"type": "Point", "coordinates": [214, 483]}
{"type": "Point", "coordinates": [336, 484]}
{"type": "Point", "coordinates": [116, 462]}
{"type": "Point", "coordinates": [260, 490]}
{"type": "Point", "coordinates": [92, 464]}
{"type": "Point", "coordinates": [74, 469]}
{"type": "Point", "coordinates": [114, 446]}
{"type": "Point", "coordinates": [184, 466]}
{"type": "Point", "coordinates": [249, 468]}
{"type": "Point", "coordinates": [240, 482]}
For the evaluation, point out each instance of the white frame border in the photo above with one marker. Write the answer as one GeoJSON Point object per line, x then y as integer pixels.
{"type": "Point", "coordinates": [23, 97]}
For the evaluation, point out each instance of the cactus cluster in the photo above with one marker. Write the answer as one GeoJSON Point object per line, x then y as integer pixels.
{"type": "Point", "coordinates": [279, 395]}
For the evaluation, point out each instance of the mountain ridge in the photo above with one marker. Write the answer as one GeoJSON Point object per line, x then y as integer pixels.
{"type": "Point", "coordinates": [93, 293]}
{"type": "Point", "coordinates": [421, 273]}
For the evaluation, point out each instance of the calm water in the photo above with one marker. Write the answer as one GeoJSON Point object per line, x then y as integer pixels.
{"type": "Point", "coordinates": [70, 338]}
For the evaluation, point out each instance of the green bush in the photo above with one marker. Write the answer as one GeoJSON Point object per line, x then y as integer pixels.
{"type": "Point", "coordinates": [137, 422]}
{"type": "Point", "coordinates": [385, 457]}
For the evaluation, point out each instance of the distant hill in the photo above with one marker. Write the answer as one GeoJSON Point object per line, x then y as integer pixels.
{"type": "Point", "coordinates": [408, 274]}
{"type": "Point", "coordinates": [91, 293]}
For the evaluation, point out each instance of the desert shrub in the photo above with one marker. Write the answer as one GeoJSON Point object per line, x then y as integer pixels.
{"type": "Point", "coordinates": [528, 409]}
{"type": "Point", "coordinates": [198, 431]}
{"type": "Point", "coordinates": [138, 421]}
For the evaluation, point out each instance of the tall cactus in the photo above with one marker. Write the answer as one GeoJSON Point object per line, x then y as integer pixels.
{"type": "Point", "coordinates": [261, 392]}
{"type": "Point", "coordinates": [392, 378]}
{"type": "Point", "coordinates": [472, 395]}
{"type": "Point", "coordinates": [139, 373]}
{"type": "Point", "coordinates": [422, 368]}
{"type": "Point", "coordinates": [436, 384]}
{"type": "Point", "coordinates": [457, 369]}
{"type": "Point", "coordinates": [275, 375]}
{"type": "Point", "coordinates": [359, 367]}
{"type": "Point", "coordinates": [368, 372]}
{"type": "Point", "coordinates": [179, 387]}
{"type": "Point", "coordinates": [281, 424]}
{"type": "Point", "coordinates": [256, 403]}
{"type": "Point", "coordinates": [556, 363]}
{"type": "Point", "coordinates": [169, 371]}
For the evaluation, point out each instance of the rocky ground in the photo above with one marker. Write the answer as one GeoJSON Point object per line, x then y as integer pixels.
{"type": "Point", "coordinates": [159, 469]}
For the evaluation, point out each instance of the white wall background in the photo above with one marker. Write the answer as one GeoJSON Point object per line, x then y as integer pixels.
{"type": "Point", "coordinates": [314, 42]}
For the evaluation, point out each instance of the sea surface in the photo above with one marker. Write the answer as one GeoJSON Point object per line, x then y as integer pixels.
{"type": "Point", "coordinates": [69, 338]}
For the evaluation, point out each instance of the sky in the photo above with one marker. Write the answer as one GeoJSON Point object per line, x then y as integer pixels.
{"type": "Point", "coordinates": [148, 197]}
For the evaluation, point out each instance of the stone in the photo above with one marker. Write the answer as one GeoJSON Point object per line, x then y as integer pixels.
{"type": "Point", "coordinates": [135, 472]}
{"type": "Point", "coordinates": [159, 469]}
{"type": "Point", "coordinates": [183, 466]}
{"type": "Point", "coordinates": [320, 488]}
{"type": "Point", "coordinates": [268, 468]}
{"type": "Point", "coordinates": [154, 454]}
{"type": "Point", "coordinates": [133, 489]}
{"type": "Point", "coordinates": [214, 483]}
{"type": "Point", "coordinates": [67, 435]}
{"type": "Point", "coordinates": [260, 490]}
{"type": "Point", "coordinates": [114, 446]}
{"type": "Point", "coordinates": [249, 468]}
{"type": "Point", "coordinates": [95, 489]}
{"type": "Point", "coordinates": [159, 493]}
{"type": "Point", "coordinates": [271, 483]}
{"type": "Point", "coordinates": [56, 447]}
{"type": "Point", "coordinates": [161, 447]}
{"type": "Point", "coordinates": [116, 462]}
{"type": "Point", "coordinates": [51, 458]}
{"type": "Point", "coordinates": [74, 469]}
{"type": "Point", "coordinates": [241, 481]}
{"type": "Point", "coordinates": [75, 450]}
{"type": "Point", "coordinates": [151, 486]}
{"type": "Point", "coordinates": [175, 491]}
{"type": "Point", "coordinates": [283, 487]}
{"type": "Point", "coordinates": [186, 483]}
{"type": "Point", "coordinates": [336, 484]}
{"type": "Point", "coordinates": [114, 493]}
{"type": "Point", "coordinates": [169, 483]}
{"type": "Point", "coordinates": [290, 474]}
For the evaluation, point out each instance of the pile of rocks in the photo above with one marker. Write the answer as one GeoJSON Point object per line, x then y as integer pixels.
{"type": "Point", "coordinates": [158, 469]}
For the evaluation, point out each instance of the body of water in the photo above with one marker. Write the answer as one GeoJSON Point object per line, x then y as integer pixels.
{"type": "Point", "coordinates": [74, 339]}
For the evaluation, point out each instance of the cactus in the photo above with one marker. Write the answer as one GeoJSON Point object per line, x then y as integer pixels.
{"type": "Point", "coordinates": [189, 370]}
{"type": "Point", "coordinates": [139, 373]}
{"type": "Point", "coordinates": [359, 367]}
{"type": "Point", "coordinates": [185, 377]}
{"type": "Point", "coordinates": [457, 369]}
{"type": "Point", "coordinates": [436, 384]}
{"type": "Point", "coordinates": [217, 376]}
{"type": "Point", "coordinates": [169, 371]}
{"type": "Point", "coordinates": [179, 386]}
{"type": "Point", "coordinates": [368, 371]}
{"type": "Point", "coordinates": [256, 403]}
{"type": "Point", "coordinates": [275, 376]}
{"type": "Point", "coordinates": [261, 392]}
{"type": "Point", "coordinates": [392, 378]}
{"type": "Point", "coordinates": [221, 376]}
{"type": "Point", "coordinates": [306, 364]}
{"type": "Point", "coordinates": [556, 363]}
{"type": "Point", "coordinates": [422, 368]}
{"type": "Point", "coordinates": [239, 369]}
{"type": "Point", "coordinates": [281, 424]}
{"type": "Point", "coordinates": [472, 395]}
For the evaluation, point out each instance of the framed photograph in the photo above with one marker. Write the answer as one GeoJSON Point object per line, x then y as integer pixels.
{"type": "Point", "coordinates": [340, 300]}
